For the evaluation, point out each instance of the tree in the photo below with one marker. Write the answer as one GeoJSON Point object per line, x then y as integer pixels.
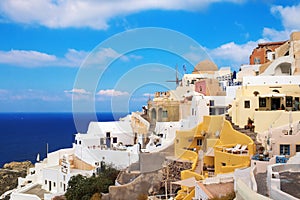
{"type": "Point", "coordinates": [81, 187]}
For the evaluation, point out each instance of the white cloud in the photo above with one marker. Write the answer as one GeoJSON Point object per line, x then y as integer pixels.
{"type": "Point", "coordinates": [26, 58]}
{"type": "Point", "coordinates": [78, 94]}
{"type": "Point", "coordinates": [103, 55]}
{"type": "Point", "coordinates": [148, 94]}
{"type": "Point", "coordinates": [88, 13]}
{"type": "Point", "coordinates": [275, 35]}
{"type": "Point", "coordinates": [29, 58]}
{"type": "Point", "coordinates": [29, 94]}
{"type": "Point", "coordinates": [232, 54]}
{"type": "Point", "coordinates": [290, 15]}
{"type": "Point", "coordinates": [72, 58]}
{"type": "Point", "coordinates": [2, 91]}
{"type": "Point", "coordinates": [77, 91]}
{"type": "Point", "coordinates": [112, 92]}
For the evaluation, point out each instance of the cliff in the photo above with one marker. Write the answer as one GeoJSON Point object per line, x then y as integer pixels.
{"type": "Point", "coordinates": [10, 172]}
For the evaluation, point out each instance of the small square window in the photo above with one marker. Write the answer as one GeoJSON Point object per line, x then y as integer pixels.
{"type": "Point", "coordinates": [284, 149]}
{"type": "Point", "coordinates": [199, 142]}
{"type": "Point", "coordinates": [262, 102]}
{"type": "Point", "coordinates": [247, 104]}
{"type": "Point", "coordinates": [297, 147]}
{"type": "Point", "coordinates": [257, 60]}
{"type": "Point", "coordinates": [289, 101]}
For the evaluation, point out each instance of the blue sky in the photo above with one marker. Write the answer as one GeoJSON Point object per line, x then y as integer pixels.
{"type": "Point", "coordinates": [44, 43]}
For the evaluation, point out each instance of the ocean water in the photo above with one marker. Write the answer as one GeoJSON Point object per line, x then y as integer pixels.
{"type": "Point", "coordinates": [24, 135]}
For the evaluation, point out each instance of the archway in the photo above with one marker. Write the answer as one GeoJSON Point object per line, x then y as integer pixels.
{"type": "Point", "coordinates": [283, 69]}
{"type": "Point", "coordinates": [153, 114]}
{"type": "Point", "coordinates": [160, 112]}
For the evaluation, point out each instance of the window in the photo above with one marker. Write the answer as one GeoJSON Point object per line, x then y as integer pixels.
{"type": "Point", "coordinates": [297, 147]}
{"type": "Point", "coordinates": [45, 182]}
{"type": "Point", "coordinates": [192, 111]}
{"type": "Point", "coordinates": [247, 104]}
{"type": "Point", "coordinates": [257, 60]}
{"type": "Point", "coordinates": [212, 111]}
{"type": "Point", "coordinates": [79, 142]}
{"type": "Point", "coordinates": [165, 114]}
{"type": "Point", "coordinates": [115, 140]}
{"type": "Point", "coordinates": [262, 102]}
{"type": "Point", "coordinates": [54, 184]}
{"type": "Point", "coordinates": [211, 103]}
{"type": "Point", "coordinates": [289, 101]}
{"type": "Point", "coordinates": [284, 149]}
{"type": "Point", "coordinates": [108, 134]}
{"type": "Point", "coordinates": [199, 142]}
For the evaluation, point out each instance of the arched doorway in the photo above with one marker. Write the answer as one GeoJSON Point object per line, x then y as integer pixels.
{"type": "Point", "coordinates": [283, 69]}
{"type": "Point", "coordinates": [159, 117]}
{"type": "Point", "coordinates": [153, 114]}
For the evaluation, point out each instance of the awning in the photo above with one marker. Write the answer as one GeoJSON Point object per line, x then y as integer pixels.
{"type": "Point", "coordinates": [189, 182]}
{"type": "Point", "coordinates": [272, 95]}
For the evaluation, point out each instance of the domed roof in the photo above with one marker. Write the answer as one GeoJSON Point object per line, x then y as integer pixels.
{"type": "Point", "coordinates": [205, 65]}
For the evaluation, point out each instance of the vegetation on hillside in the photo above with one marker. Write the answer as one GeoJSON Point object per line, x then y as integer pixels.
{"type": "Point", "coordinates": [81, 187]}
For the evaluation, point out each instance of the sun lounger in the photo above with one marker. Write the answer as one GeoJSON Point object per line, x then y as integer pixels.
{"type": "Point", "coordinates": [234, 149]}
{"type": "Point", "coordinates": [243, 149]}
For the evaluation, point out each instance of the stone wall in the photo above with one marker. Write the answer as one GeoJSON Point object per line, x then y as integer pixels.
{"type": "Point", "coordinates": [144, 185]}
{"type": "Point", "coordinates": [172, 172]}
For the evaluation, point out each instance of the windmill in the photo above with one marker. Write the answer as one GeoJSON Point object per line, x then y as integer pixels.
{"type": "Point", "coordinates": [177, 80]}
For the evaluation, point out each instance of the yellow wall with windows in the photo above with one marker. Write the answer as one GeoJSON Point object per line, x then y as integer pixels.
{"type": "Point", "coordinates": [222, 161]}
{"type": "Point", "coordinates": [262, 121]}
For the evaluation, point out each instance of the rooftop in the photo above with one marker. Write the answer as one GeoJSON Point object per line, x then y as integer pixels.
{"type": "Point", "coordinates": [218, 190]}
{"type": "Point", "coordinates": [271, 43]}
{"type": "Point", "coordinates": [37, 190]}
{"type": "Point", "coordinates": [205, 65]}
{"type": "Point", "coordinates": [290, 183]}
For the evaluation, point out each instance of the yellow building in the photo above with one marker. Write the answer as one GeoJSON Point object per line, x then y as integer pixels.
{"type": "Point", "coordinates": [214, 147]}
{"type": "Point", "coordinates": [267, 101]}
{"type": "Point", "coordinates": [164, 107]}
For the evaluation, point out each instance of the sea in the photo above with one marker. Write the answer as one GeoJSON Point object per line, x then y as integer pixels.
{"type": "Point", "coordinates": [25, 135]}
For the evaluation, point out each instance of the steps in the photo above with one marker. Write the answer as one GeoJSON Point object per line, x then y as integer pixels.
{"type": "Point", "coordinates": [247, 132]}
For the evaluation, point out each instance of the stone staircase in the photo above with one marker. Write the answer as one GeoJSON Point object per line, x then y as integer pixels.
{"type": "Point", "coordinates": [198, 167]}
{"type": "Point", "coordinates": [152, 127]}
{"type": "Point", "coordinates": [247, 132]}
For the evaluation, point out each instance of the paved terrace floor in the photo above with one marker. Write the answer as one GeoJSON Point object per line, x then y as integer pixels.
{"type": "Point", "coordinates": [261, 180]}
{"type": "Point", "coordinates": [290, 183]}
{"type": "Point", "coordinates": [37, 190]}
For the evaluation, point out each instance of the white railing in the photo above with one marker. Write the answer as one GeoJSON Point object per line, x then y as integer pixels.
{"type": "Point", "coordinates": [252, 179]}
{"type": "Point", "coordinates": [142, 120]}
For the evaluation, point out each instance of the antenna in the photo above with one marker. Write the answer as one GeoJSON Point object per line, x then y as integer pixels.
{"type": "Point", "coordinates": [177, 81]}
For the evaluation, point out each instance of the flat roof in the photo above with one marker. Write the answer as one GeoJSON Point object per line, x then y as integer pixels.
{"type": "Point", "coordinates": [290, 183]}
{"type": "Point", "coordinates": [37, 190]}
{"type": "Point", "coordinates": [220, 190]}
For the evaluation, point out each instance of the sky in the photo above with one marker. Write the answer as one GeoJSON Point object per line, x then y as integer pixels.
{"type": "Point", "coordinates": [103, 56]}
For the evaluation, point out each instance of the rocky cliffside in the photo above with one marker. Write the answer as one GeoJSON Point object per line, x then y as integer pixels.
{"type": "Point", "coordinates": [10, 172]}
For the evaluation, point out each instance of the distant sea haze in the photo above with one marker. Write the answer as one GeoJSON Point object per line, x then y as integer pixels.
{"type": "Point", "coordinates": [24, 135]}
